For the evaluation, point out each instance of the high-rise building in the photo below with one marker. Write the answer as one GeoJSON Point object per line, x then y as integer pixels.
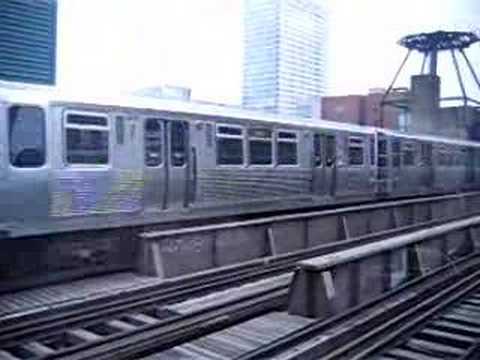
{"type": "Point", "coordinates": [28, 41]}
{"type": "Point", "coordinates": [285, 55]}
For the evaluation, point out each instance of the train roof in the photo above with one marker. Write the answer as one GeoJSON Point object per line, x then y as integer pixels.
{"type": "Point", "coordinates": [430, 138]}
{"type": "Point", "coordinates": [223, 113]}
{"type": "Point", "coordinates": [220, 113]}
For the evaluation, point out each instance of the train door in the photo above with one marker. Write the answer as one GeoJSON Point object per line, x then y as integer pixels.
{"type": "Point", "coordinates": [330, 169]}
{"type": "Point", "coordinates": [166, 163]}
{"type": "Point", "coordinates": [24, 190]}
{"type": "Point", "coordinates": [178, 164]}
{"type": "Point", "coordinates": [318, 165]}
{"type": "Point", "coordinates": [126, 160]}
{"type": "Point", "coordinates": [383, 165]}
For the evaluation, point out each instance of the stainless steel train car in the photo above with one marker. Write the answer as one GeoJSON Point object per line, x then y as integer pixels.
{"type": "Point", "coordinates": [69, 164]}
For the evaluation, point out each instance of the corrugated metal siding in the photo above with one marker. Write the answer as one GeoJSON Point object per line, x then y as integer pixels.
{"type": "Point", "coordinates": [247, 184]}
{"type": "Point", "coordinates": [28, 40]}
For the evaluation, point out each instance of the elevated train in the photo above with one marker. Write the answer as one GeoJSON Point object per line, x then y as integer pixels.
{"type": "Point", "coordinates": [67, 164]}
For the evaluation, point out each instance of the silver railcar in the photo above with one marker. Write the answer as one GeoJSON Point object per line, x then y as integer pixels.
{"type": "Point", "coordinates": [88, 164]}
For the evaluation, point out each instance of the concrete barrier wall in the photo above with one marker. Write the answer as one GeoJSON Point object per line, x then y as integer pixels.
{"type": "Point", "coordinates": [178, 252]}
{"type": "Point", "coordinates": [331, 284]}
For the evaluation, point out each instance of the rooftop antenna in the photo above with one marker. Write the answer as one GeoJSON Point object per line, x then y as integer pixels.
{"type": "Point", "coordinates": [431, 45]}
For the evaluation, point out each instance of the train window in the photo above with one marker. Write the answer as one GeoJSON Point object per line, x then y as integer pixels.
{"type": "Point", "coordinates": [260, 146]}
{"type": "Point", "coordinates": [87, 138]}
{"type": "Point", "coordinates": [178, 143]}
{"type": "Point", "coordinates": [449, 159]}
{"type": "Point", "coordinates": [396, 155]}
{"type": "Point", "coordinates": [229, 145]}
{"type": "Point", "coordinates": [27, 136]}
{"type": "Point", "coordinates": [355, 151]}
{"type": "Point", "coordinates": [442, 157]}
{"type": "Point", "coordinates": [317, 150]}
{"type": "Point", "coordinates": [396, 145]}
{"type": "Point", "coordinates": [330, 151]}
{"type": "Point", "coordinates": [408, 154]}
{"type": "Point", "coordinates": [287, 148]}
{"type": "Point", "coordinates": [153, 142]}
{"type": "Point", "coordinates": [426, 154]}
{"type": "Point", "coordinates": [372, 151]}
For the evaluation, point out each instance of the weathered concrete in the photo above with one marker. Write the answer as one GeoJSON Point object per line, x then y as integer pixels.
{"type": "Point", "coordinates": [330, 284]}
{"type": "Point", "coordinates": [177, 252]}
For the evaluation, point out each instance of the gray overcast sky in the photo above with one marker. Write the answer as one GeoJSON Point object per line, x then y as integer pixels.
{"type": "Point", "coordinates": [108, 46]}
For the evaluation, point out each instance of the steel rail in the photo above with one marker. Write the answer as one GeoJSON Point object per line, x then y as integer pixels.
{"type": "Point", "coordinates": [357, 321]}
{"type": "Point", "coordinates": [85, 314]}
{"type": "Point", "coordinates": [396, 327]}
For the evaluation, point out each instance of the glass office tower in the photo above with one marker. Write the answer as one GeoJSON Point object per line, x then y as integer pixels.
{"type": "Point", "coordinates": [285, 55]}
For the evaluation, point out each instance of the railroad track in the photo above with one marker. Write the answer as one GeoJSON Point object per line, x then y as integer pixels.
{"type": "Point", "coordinates": [340, 337]}
{"type": "Point", "coordinates": [444, 326]}
{"type": "Point", "coordinates": [435, 316]}
{"type": "Point", "coordinates": [141, 320]}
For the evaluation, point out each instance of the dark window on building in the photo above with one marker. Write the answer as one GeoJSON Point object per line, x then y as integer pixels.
{"type": "Point", "coordinates": [87, 139]}
{"type": "Point", "coordinates": [317, 150]}
{"type": "Point", "coordinates": [408, 154]}
{"type": "Point", "coordinates": [331, 150]}
{"type": "Point", "coordinates": [27, 136]}
{"type": "Point", "coordinates": [153, 142]}
{"type": "Point", "coordinates": [355, 151]}
{"type": "Point", "coordinates": [229, 145]}
{"type": "Point", "coordinates": [287, 148]}
{"type": "Point", "coordinates": [260, 146]}
{"type": "Point", "coordinates": [178, 143]}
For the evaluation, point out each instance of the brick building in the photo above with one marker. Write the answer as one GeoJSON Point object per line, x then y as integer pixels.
{"type": "Point", "coordinates": [360, 110]}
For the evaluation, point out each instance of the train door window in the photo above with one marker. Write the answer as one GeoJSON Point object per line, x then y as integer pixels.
{"type": "Point", "coordinates": [153, 142]}
{"type": "Point", "coordinates": [87, 138]}
{"type": "Point", "coordinates": [449, 158]}
{"type": "Point", "coordinates": [317, 150]}
{"type": "Point", "coordinates": [408, 154]}
{"type": "Point", "coordinates": [426, 155]}
{"type": "Point", "coordinates": [372, 151]}
{"type": "Point", "coordinates": [230, 145]}
{"type": "Point", "coordinates": [178, 143]}
{"type": "Point", "coordinates": [382, 152]}
{"type": "Point", "coordinates": [442, 157]}
{"type": "Point", "coordinates": [27, 136]}
{"type": "Point", "coordinates": [396, 155]}
{"type": "Point", "coordinates": [355, 151]}
{"type": "Point", "coordinates": [260, 146]}
{"type": "Point", "coordinates": [330, 153]}
{"type": "Point", "coordinates": [287, 148]}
